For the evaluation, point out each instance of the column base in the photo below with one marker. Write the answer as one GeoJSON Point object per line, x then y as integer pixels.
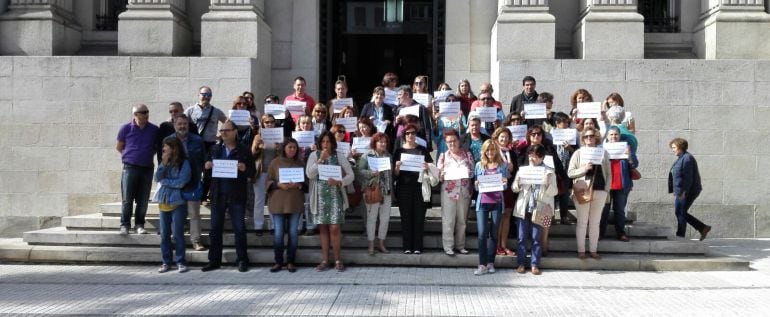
{"type": "Point", "coordinates": [524, 33]}
{"type": "Point", "coordinates": [609, 35]}
{"type": "Point", "coordinates": [154, 33]}
{"type": "Point", "coordinates": [733, 34]}
{"type": "Point", "coordinates": [38, 32]}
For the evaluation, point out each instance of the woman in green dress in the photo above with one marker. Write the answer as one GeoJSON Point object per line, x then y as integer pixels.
{"type": "Point", "coordinates": [328, 198]}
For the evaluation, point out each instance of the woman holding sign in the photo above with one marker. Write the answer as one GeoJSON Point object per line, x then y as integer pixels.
{"type": "Point", "coordinates": [534, 206]}
{"type": "Point", "coordinates": [328, 174]}
{"type": "Point", "coordinates": [503, 138]}
{"type": "Point", "coordinates": [591, 176]}
{"type": "Point", "coordinates": [491, 180]}
{"type": "Point", "coordinates": [456, 172]}
{"type": "Point", "coordinates": [377, 176]}
{"type": "Point", "coordinates": [620, 186]}
{"type": "Point", "coordinates": [285, 179]}
{"type": "Point", "coordinates": [264, 149]}
{"type": "Point", "coordinates": [411, 158]}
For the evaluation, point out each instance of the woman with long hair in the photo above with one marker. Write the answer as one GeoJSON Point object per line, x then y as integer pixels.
{"type": "Point", "coordinates": [172, 175]}
{"type": "Point", "coordinates": [285, 204]}
{"type": "Point", "coordinates": [489, 205]}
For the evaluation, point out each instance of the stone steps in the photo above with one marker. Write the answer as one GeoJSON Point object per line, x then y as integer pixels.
{"type": "Point", "coordinates": [18, 251]}
{"type": "Point", "coordinates": [431, 241]}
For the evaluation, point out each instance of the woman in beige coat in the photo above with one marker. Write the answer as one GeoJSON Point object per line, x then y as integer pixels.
{"type": "Point", "coordinates": [286, 203]}
{"type": "Point", "coordinates": [598, 178]}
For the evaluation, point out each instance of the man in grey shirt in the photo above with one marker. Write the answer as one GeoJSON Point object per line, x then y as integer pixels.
{"type": "Point", "coordinates": [206, 117]}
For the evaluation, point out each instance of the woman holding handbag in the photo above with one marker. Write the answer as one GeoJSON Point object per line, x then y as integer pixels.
{"type": "Point", "coordinates": [590, 185]}
{"type": "Point", "coordinates": [377, 188]}
{"type": "Point", "coordinates": [534, 209]}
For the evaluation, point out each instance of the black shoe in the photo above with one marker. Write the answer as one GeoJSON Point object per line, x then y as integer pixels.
{"type": "Point", "coordinates": [704, 232]}
{"type": "Point", "coordinates": [210, 267]}
{"type": "Point", "coordinates": [260, 233]}
{"type": "Point", "coordinates": [243, 267]}
{"type": "Point", "coordinates": [275, 268]}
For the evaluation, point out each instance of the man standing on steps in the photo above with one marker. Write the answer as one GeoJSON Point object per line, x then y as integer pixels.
{"type": "Point", "coordinates": [528, 95]}
{"type": "Point", "coordinates": [207, 118]}
{"type": "Point", "coordinates": [136, 145]}
{"type": "Point", "coordinates": [193, 146]}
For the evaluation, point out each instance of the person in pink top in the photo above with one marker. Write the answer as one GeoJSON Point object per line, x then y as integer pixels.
{"type": "Point", "coordinates": [300, 86]}
{"type": "Point", "coordinates": [486, 88]}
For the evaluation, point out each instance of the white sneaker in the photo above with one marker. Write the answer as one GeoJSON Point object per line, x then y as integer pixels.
{"type": "Point", "coordinates": [140, 230]}
{"type": "Point", "coordinates": [182, 268]}
{"type": "Point", "coordinates": [164, 268]}
{"type": "Point", "coordinates": [123, 230]}
{"type": "Point", "coordinates": [449, 252]}
{"type": "Point", "coordinates": [491, 268]}
{"type": "Point", "coordinates": [481, 270]}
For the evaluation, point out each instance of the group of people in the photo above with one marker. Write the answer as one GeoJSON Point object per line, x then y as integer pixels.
{"type": "Point", "coordinates": [309, 163]}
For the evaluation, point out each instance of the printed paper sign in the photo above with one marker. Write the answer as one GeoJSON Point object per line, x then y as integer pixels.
{"type": "Point", "coordinates": [340, 104]}
{"type": "Point", "coordinates": [487, 114]}
{"type": "Point", "coordinates": [304, 138]}
{"type": "Point", "coordinates": [362, 144]}
{"type": "Point", "coordinates": [271, 136]}
{"type": "Point", "coordinates": [548, 161]}
{"type": "Point", "coordinates": [349, 123]}
{"type": "Point", "coordinates": [456, 173]}
{"type": "Point", "coordinates": [326, 172]}
{"type": "Point", "coordinates": [534, 111]}
{"type": "Point", "coordinates": [413, 110]}
{"type": "Point", "coordinates": [589, 110]}
{"type": "Point", "coordinates": [343, 148]}
{"type": "Point", "coordinates": [239, 117]}
{"type": "Point", "coordinates": [296, 108]}
{"type": "Point", "coordinates": [291, 175]}
{"type": "Point", "coordinates": [449, 109]}
{"type": "Point", "coordinates": [391, 97]}
{"type": "Point", "coordinates": [381, 126]}
{"type": "Point", "coordinates": [423, 99]}
{"type": "Point", "coordinates": [564, 135]}
{"type": "Point", "coordinates": [225, 169]}
{"type": "Point", "coordinates": [441, 95]}
{"type": "Point", "coordinates": [378, 164]}
{"type": "Point", "coordinates": [519, 132]}
{"type": "Point", "coordinates": [616, 150]}
{"type": "Point", "coordinates": [490, 183]}
{"type": "Point", "coordinates": [411, 162]}
{"type": "Point", "coordinates": [421, 141]}
{"type": "Point", "coordinates": [278, 111]}
{"type": "Point", "coordinates": [591, 155]}
{"type": "Point", "coordinates": [532, 175]}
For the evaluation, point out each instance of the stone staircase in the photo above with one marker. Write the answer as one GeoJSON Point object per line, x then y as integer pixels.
{"type": "Point", "coordinates": [94, 238]}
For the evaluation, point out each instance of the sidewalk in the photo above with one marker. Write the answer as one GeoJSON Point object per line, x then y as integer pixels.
{"type": "Point", "coordinates": [388, 291]}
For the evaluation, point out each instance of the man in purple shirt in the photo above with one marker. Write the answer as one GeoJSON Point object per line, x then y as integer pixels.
{"type": "Point", "coordinates": [136, 144]}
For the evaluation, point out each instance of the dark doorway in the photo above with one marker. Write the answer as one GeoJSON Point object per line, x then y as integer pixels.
{"type": "Point", "coordinates": [358, 43]}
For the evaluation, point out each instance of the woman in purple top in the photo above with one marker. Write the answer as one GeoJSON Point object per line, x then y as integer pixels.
{"type": "Point", "coordinates": [489, 203]}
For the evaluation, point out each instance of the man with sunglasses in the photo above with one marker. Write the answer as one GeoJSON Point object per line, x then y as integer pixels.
{"type": "Point", "coordinates": [486, 88]}
{"type": "Point", "coordinates": [136, 145]}
{"type": "Point", "coordinates": [206, 117]}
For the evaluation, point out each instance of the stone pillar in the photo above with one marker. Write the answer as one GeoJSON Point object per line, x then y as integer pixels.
{"type": "Point", "coordinates": [732, 29]}
{"type": "Point", "coordinates": [609, 29]}
{"type": "Point", "coordinates": [238, 28]}
{"type": "Point", "coordinates": [154, 27]}
{"type": "Point", "coordinates": [524, 30]}
{"type": "Point", "coordinates": [39, 27]}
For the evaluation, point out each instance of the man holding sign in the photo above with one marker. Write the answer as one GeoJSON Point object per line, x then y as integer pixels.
{"type": "Point", "coordinates": [228, 195]}
{"type": "Point", "coordinates": [300, 85]}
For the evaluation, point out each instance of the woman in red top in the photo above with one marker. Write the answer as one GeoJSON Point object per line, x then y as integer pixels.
{"type": "Point", "coordinates": [619, 188]}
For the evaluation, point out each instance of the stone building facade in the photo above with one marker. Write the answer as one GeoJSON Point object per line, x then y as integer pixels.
{"type": "Point", "coordinates": [71, 70]}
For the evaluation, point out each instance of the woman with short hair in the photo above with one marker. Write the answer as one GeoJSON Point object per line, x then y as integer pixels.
{"type": "Point", "coordinates": [457, 164]}
{"type": "Point", "coordinates": [285, 204]}
{"type": "Point", "coordinates": [684, 183]}
{"type": "Point", "coordinates": [383, 180]}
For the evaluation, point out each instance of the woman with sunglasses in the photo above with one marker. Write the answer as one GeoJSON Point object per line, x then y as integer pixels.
{"type": "Point", "coordinates": [408, 189]}
{"type": "Point", "coordinates": [598, 178]}
{"type": "Point", "coordinates": [263, 156]}
{"type": "Point", "coordinates": [321, 122]}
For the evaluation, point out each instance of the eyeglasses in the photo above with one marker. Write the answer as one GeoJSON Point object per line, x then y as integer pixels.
{"type": "Point", "coordinates": [205, 94]}
{"type": "Point", "coordinates": [488, 98]}
{"type": "Point", "coordinates": [419, 83]}
{"type": "Point", "coordinates": [225, 130]}
{"type": "Point", "coordinates": [410, 133]}
{"type": "Point", "coordinates": [340, 131]}
{"type": "Point", "coordinates": [516, 119]}
{"type": "Point", "coordinates": [269, 122]}
{"type": "Point", "coordinates": [142, 112]}
{"type": "Point", "coordinates": [323, 112]}
{"type": "Point", "coordinates": [536, 134]}
{"type": "Point", "coordinates": [589, 136]}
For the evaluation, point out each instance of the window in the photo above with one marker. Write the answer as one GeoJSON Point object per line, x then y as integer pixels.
{"type": "Point", "coordinates": [660, 16]}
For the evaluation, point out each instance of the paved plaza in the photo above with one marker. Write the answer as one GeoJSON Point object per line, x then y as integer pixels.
{"type": "Point", "coordinates": [388, 291]}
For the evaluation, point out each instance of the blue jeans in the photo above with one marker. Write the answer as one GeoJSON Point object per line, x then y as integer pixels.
{"type": "Point", "coordinates": [528, 230]}
{"type": "Point", "coordinates": [135, 184]}
{"type": "Point", "coordinates": [176, 217]}
{"type": "Point", "coordinates": [681, 206]}
{"type": "Point", "coordinates": [618, 199]}
{"type": "Point", "coordinates": [488, 232]}
{"type": "Point", "coordinates": [237, 214]}
{"type": "Point", "coordinates": [279, 225]}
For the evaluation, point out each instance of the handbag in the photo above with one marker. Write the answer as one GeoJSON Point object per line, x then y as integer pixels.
{"type": "Point", "coordinates": [194, 194]}
{"type": "Point", "coordinates": [373, 195]}
{"type": "Point", "coordinates": [542, 215]}
{"type": "Point", "coordinates": [635, 174]}
{"type": "Point", "coordinates": [583, 191]}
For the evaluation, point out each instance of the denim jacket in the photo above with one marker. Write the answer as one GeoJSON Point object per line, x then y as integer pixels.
{"type": "Point", "coordinates": [171, 180]}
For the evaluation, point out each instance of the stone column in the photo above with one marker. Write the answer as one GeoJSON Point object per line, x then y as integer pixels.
{"type": "Point", "coordinates": [154, 27]}
{"type": "Point", "coordinates": [609, 29]}
{"type": "Point", "coordinates": [524, 30]}
{"type": "Point", "coordinates": [39, 27]}
{"type": "Point", "coordinates": [238, 29]}
{"type": "Point", "coordinates": [732, 29]}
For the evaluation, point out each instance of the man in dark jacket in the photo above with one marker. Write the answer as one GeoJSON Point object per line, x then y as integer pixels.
{"type": "Point", "coordinates": [528, 95]}
{"type": "Point", "coordinates": [684, 183]}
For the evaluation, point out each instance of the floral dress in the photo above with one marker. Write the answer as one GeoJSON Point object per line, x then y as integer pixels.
{"type": "Point", "coordinates": [331, 208]}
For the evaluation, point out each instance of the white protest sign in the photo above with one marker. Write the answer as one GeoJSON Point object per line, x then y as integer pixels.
{"type": "Point", "coordinates": [490, 183]}
{"type": "Point", "coordinates": [413, 110]}
{"type": "Point", "coordinates": [277, 110]}
{"type": "Point", "coordinates": [455, 173]}
{"type": "Point", "coordinates": [616, 150]}
{"type": "Point", "coordinates": [487, 114]}
{"type": "Point", "coordinates": [531, 175]}
{"type": "Point", "coordinates": [421, 141]}
{"type": "Point", "coordinates": [381, 126]}
{"type": "Point", "coordinates": [225, 169]}
{"type": "Point", "coordinates": [340, 104]}
{"type": "Point", "coordinates": [271, 136]}
{"type": "Point", "coordinates": [548, 161]}
{"type": "Point", "coordinates": [519, 132]}
{"type": "Point", "coordinates": [343, 148]}
{"type": "Point", "coordinates": [449, 109]}
{"type": "Point", "coordinates": [239, 117]}
{"type": "Point", "coordinates": [564, 135]}
{"type": "Point", "coordinates": [534, 111]}
{"type": "Point", "coordinates": [591, 155]}
{"type": "Point", "coordinates": [326, 172]}
{"type": "Point", "coordinates": [391, 97]}
{"type": "Point", "coordinates": [411, 162]}
{"type": "Point", "coordinates": [441, 95]}
{"type": "Point", "coordinates": [589, 110]}
{"type": "Point", "coordinates": [362, 144]}
{"type": "Point", "coordinates": [378, 164]}
{"type": "Point", "coordinates": [423, 99]}
{"type": "Point", "coordinates": [291, 175]}
{"type": "Point", "coordinates": [304, 138]}
{"type": "Point", "coordinates": [602, 128]}
{"type": "Point", "coordinates": [349, 123]}
{"type": "Point", "coordinates": [296, 108]}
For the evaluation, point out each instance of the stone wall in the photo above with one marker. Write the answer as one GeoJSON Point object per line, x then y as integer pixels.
{"type": "Point", "coordinates": [720, 107]}
{"type": "Point", "coordinates": [59, 118]}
